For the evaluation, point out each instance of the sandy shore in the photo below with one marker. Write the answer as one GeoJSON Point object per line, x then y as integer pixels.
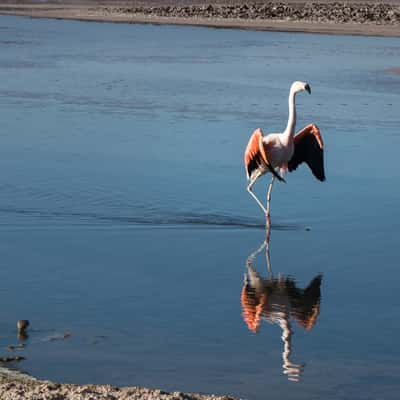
{"type": "Point", "coordinates": [18, 386]}
{"type": "Point", "coordinates": [356, 18]}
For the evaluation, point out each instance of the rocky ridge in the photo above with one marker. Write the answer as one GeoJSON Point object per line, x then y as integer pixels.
{"type": "Point", "coordinates": [379, 13]}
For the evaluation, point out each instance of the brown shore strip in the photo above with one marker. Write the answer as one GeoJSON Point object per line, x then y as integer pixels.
{"type": "Point", "coordinates": [349, 18]}
{"type": "Point", "coordinates": [18, 386]}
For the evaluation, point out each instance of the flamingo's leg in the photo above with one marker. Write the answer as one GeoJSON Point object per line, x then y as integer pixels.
{"type": "Point", "coordinates": [249, 189]}
{"type": "Point", "coordinates": [268, 215]}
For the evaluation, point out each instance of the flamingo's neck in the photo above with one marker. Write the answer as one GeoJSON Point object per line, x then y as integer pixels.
{"type": "Point", "coordinates": [291, 124]}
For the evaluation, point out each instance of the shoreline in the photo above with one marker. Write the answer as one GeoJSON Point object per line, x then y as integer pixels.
{"type": "Point", "coordinates": [326, 20]}
{"type": "Point", "coordinates": [15, 385]}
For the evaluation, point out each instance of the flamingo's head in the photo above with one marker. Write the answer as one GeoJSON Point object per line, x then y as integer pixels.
{"type": "Point", "coordinates": [299, 86]}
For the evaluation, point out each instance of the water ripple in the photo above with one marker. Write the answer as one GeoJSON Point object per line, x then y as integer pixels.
{"type": "Point", "coordinates": [164, 219]}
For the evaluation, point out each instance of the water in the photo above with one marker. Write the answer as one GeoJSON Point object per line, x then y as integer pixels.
{"type": "Point", "coordinates": [124, 220]}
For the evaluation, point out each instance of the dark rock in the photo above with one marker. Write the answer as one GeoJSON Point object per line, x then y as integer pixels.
{"type": "Point", "coordinates": [22, 325]}
{"type": "Point", "coordinates": [9, 359]}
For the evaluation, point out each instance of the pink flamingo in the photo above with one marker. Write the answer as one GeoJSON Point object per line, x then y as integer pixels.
{"type": "Point", "coordinates": [278, 153]}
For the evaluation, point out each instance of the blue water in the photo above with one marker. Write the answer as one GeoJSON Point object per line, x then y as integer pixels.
{"type": "Point", "coordinates": [124, 219]}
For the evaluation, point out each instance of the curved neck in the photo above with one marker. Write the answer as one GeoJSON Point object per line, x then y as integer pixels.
{"type": "Point", "coordinates": [291, 124]}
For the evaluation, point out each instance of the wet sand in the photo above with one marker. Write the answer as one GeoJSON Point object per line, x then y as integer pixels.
{"type": "Point", "coordinates": [362, 19]}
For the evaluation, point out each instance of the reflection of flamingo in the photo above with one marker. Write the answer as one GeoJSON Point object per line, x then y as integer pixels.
{"type": "Point", "coordinates": [281, 152]}
{"type": "Point", "coordinates": [275, 301]}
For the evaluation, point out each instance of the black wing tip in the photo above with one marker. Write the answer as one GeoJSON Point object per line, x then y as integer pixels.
{"type": "Point", "coordinates": [280, 179]}
{"type": "Point", "coordinates": [275, 174]}
{"type": "Point", "coordinates": [322, 177]}
{"type": "Point", "coordinates": [253, 164]}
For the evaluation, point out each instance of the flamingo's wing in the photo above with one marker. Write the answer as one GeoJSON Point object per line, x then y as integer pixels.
{"type": "Point", "coordinates": [309, 148]}
{"type": "Point", "coordinates": [255, 156]}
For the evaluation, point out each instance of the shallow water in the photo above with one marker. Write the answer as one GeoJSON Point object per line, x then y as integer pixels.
{"type": "Point", "coordinates": [124, 219]}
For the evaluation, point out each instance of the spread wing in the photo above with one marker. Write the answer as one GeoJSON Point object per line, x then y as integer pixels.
{"type": "Point", "coordinates": [255, 156]}
{"type": "Point", "coordinates": [309, 148]}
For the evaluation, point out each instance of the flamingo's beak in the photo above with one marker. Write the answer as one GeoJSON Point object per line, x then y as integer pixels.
{"type": "Point", "coordinates": [307, 88]}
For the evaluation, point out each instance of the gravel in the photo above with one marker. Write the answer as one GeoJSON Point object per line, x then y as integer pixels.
{"type": "Point", "coordinates": [18, 386]}
{"type": "Point", "coordinates": [379, 13]}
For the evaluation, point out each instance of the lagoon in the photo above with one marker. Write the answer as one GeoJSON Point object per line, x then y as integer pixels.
{"type": "Point", "coordinates": [124, 219]}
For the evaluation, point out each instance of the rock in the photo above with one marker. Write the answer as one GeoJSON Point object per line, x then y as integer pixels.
{"type": "Point", "coordinates": [22, 325]}
{"type": "Point", "coordinates": [53, 386]}
{"type": "Point", "coordinates": [13, 358]}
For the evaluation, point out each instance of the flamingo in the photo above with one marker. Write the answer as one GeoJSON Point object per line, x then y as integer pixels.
{"type": "Point", "coordinates": [278, 153]}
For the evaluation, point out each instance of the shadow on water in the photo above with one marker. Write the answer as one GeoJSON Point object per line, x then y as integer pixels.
{"type": "Point", "coordinates": [278, 300]}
